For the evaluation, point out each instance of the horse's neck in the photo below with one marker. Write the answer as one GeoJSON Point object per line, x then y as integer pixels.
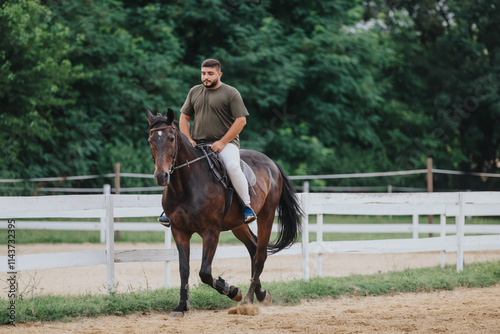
{"type": "Point", "coordinates": [184, 177]}
{"type": "Point", "coordinates": [186, 151]}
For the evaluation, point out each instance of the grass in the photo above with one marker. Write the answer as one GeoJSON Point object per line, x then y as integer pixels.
{"type": "Point", "coordinates": [31, 308]}
{"type": "Point", "coordinates": [50, 236]}
{"type": "Point", "coordinates": [67, 308]}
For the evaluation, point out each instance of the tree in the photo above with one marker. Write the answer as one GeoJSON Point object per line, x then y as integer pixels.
{"type": "Point", "coordinates": [35, 86]}
{"type": "Point", "coordinates": [448, 78]}
{"type": "Point", "coordinates": [131, 65]}
{"type": "Point", "coordinates": [331, 86]}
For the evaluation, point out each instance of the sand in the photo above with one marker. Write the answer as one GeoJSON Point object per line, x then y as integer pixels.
{"type": "Point", "coordinates": [459, 311]}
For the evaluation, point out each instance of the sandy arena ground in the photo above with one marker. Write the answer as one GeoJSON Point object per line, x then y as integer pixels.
{"type": "Point", "coordinates": [460, 311]}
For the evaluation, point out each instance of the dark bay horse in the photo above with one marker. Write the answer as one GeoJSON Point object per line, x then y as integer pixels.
{"type": "Point", "coordinates": [194, 202]}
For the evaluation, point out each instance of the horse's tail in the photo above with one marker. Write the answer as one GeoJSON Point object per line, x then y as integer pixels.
{"type": "Point", "coordinates": [289, 210]}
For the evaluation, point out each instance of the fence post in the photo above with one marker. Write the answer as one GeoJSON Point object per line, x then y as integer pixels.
{"type": "Point", "coordinates": [110, 244]}
{"type": "Point", "coordinates": [415, 226]}
{"type": "Point", "coordinates": [430, 187]}
{"type": "Point", "coordinates": [389, 191]}
{"type": "Point", "coordinates": [442, 222]}
{"type": "Point", "coordinates": [305, 239]}
{"type": "Point", "coordinates": [117, 192]}
{"type": "Point", "coordinates": [106, 189]}
{"type": "Point", "coordinates": [319, 239]}
{"type": "Point", "coordinates": [305, 187]}
{"type": "Point", "coordinates": [460, 221]}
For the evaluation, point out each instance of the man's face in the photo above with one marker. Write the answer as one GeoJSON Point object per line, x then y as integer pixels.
{"type": "Point", "coordinates": [210, 76]}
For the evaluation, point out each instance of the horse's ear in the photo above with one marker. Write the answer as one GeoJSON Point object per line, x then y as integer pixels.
{"type": "Point", "coordinates": [149, 115]}
{"type": "Point", "coordinates": [170, 115]}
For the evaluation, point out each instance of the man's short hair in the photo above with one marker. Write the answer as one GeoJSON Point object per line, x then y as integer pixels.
{"type": "Point", "coordinates": [212, 63]}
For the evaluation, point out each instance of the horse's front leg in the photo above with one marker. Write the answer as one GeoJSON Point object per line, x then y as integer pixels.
{"type": "Point", "coordinates": [210, 241]}
{"type": "Point", "coordinates": [182, 242]}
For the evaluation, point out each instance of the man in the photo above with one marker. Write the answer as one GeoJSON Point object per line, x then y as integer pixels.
{"type": "Point", "coordinates": [219, 115]}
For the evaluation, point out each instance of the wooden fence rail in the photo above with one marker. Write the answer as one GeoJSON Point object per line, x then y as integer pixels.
{"type": "Point", "coordinates": [109, 207]}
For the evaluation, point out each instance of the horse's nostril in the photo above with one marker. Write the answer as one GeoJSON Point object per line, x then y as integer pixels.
{"type": "Point", "coordinates": [159, 178]}
{"type": "Point", "coordinates": [162, 178]}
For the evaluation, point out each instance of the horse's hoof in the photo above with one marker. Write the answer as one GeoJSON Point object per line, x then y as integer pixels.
{"type": "Point", "coordinates": [266, 301]}
{"type": "Point", "coordinates": [238, 297]}
{"type": "Point", "coordinates": [176, 314]}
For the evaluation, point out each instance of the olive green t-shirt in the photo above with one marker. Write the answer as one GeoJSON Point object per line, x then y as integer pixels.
{"type": "Point", "coordinates": [213, 112]}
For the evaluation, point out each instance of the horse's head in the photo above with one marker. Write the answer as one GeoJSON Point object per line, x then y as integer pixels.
{"type": "Point", "coordinates": [163, 139]}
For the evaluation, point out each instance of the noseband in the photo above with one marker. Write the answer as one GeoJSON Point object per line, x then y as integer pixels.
{"type": "Point", "coordinates": [187, 163]}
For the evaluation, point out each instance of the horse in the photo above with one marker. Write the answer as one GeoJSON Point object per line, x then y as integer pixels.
{"type": "Point", "coordinates": [194, 201]}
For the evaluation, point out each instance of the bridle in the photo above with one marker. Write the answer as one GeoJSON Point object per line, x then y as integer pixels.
{"type": "Point", "coordinates": [187, 163]}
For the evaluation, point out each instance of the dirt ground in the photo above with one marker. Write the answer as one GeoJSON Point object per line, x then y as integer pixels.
{"type": "Point", "coordinates": [460, 311]}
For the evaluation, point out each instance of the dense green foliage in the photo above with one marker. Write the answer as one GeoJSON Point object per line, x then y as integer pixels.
{"type": "Point", "coordinates": [31, 308]}
{"type": "Point", "coordinates": [331, 86]}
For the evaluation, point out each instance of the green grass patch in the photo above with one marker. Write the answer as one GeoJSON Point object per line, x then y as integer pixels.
{"type": "Point", "coordinates": [68, 308]}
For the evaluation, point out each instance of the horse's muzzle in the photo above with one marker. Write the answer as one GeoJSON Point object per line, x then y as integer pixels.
{"type": "Point", "coordinates": [162, 178]}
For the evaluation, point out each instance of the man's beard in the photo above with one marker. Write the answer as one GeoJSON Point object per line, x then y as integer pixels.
{"type": "Point", "coordinates": [211, 85]}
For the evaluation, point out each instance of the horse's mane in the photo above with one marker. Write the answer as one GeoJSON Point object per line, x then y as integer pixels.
{"type": "Point", "coordinates": [159, 119]}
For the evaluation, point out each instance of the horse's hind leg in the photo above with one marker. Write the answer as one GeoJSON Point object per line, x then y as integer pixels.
{"type": "Point", "coordinates": [245, 235]}
{"type": "Point", "coordinates": [265, 223]}
{"type": "Point", "coordinates": [210, 241]}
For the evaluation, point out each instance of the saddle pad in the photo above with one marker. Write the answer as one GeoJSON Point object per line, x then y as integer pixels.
{"type": "Point", "coordinates": [249, 174]}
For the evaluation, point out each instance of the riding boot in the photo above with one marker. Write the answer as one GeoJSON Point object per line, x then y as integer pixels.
{"type": "Point", "coordinates": [164, 220]}
{"type": "Point", "coordinates": [248, 215]}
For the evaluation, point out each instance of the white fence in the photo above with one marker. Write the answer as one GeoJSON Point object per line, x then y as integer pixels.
{"type": "Point", "coordinates": [117, 175]}
{"type": "Point", "coordinates": [108, 207]}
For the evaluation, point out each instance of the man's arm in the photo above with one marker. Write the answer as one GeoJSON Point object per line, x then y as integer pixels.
{"type": "Point", "coordinates": [185, 128]}
{"type": "Point", "coordinates": [234, 130]}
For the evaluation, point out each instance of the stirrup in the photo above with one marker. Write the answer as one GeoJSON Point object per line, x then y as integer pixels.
{"type": "Point", "coordinates": [248, 215]}
{"type": "Point", "coordinates": [164, 220]}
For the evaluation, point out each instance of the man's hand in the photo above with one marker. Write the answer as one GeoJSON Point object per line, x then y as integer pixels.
{"type": "Point", "coordinates": [192, 142]}
{"type": "Point", "coordinates": [218, 146]}
{"type": "Point", "coordinates": [233, 131]}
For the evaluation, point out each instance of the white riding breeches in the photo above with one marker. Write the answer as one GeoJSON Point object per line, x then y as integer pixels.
{"type": "Point", "coordinates": [230, 156]}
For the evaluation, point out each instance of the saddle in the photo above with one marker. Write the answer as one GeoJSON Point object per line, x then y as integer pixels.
{"type": "Point", "coordinates": [219, 171]}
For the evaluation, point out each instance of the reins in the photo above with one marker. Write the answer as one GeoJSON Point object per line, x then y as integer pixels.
{"type": "Point", "coordinates": [194, 160]}
{"type": "Point", "coordinates": [187, 163]}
